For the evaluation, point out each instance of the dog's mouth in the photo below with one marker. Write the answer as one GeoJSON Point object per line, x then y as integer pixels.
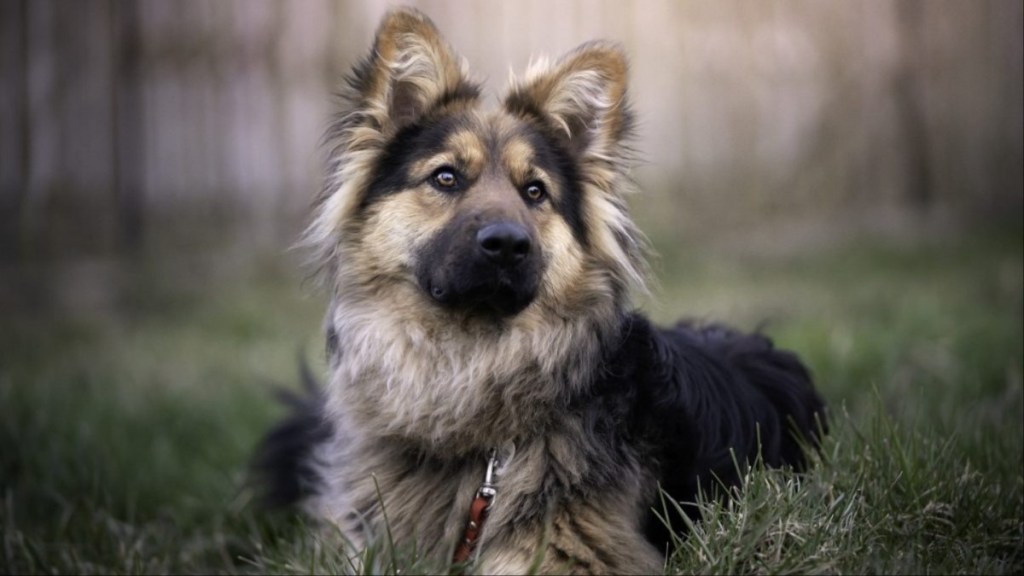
{"type": "Point", "coordinates": [499, 296]}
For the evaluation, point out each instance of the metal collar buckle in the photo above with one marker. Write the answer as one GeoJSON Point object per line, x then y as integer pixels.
{"type": "Point", "coordinates": [478, 510]}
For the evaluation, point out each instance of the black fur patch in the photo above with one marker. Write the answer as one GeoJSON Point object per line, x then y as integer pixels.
{"type": "Point", "coordinates": [697, 396]}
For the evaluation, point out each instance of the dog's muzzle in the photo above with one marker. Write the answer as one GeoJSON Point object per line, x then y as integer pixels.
{"type": "Point", "coordinates": [505, 244]}
{"type": "Point", "coordinates": [491, 268]}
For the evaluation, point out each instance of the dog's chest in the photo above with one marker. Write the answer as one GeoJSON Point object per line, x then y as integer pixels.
{"type": "Point", "coordinates": [552, 499]}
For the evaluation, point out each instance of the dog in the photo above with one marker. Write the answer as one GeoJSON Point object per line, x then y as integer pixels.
{"type": "Point", "coordinates": [492, 397]}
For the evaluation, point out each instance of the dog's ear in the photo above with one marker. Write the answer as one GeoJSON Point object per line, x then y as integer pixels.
{"type": "Point", "coordinates": [581, 101]}
{"type": "Point", "coordinates": [410, 70]}
{"type": "Point", "coordinates": [583, 96]}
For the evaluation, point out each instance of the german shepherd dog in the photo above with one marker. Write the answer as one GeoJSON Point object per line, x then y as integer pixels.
{"type": "Point", "coordinates": [492, 396]}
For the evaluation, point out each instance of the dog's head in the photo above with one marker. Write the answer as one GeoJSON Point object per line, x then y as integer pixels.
{"type": "Point", "coordinates": [479, 257]}
{"type": "Point", "coordinates": [482, 213]}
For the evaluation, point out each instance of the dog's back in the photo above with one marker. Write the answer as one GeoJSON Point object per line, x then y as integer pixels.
{"type": "Point", "coordinates": [717, 400]}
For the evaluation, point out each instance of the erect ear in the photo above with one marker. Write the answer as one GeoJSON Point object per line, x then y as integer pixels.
{"type": "Point", "coordinates": [410, 70]}
{"type": "Point", "coordinates": [583, 96]}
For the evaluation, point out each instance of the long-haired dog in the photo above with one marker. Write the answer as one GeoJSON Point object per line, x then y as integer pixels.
{"type": "Point", "coordinates": [492, 396]}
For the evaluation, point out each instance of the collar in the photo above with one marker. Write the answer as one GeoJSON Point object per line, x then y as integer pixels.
{"type": "Point", "coordinates": [478, 512]}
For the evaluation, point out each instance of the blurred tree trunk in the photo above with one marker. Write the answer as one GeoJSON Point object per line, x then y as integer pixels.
{"type": "Point", "coordinates": [908, 81]}
{"type": "Point", "coordinates": [14, 132]}
{"type": "Point", "coordinates": [126, 100]}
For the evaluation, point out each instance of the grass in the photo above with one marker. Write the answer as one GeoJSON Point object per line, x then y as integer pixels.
{"type": "Point", "coordinates": [127, 418]}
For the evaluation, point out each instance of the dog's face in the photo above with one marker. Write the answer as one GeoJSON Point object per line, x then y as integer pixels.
{"type": "Point", "coordinates": [437, 202]}
{"type": "Point", "coordinates": [479, 257]}
{"type": "Point", "coordinates": [491, 201]}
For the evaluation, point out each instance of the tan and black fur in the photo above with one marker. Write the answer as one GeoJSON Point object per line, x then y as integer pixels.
{"type": "Point", "coordinates": [480, 263]}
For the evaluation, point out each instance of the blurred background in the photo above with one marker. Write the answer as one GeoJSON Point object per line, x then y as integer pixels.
{"type": "Point", "coordinates": [846, 176]}
{"type": "Point", "coordinates": [126, 124]}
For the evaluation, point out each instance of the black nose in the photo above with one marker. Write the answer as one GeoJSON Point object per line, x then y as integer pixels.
{"type": "Point", "coordinates": [504, 243]}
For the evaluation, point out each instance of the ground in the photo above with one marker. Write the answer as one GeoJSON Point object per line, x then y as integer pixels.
{"type": "Point", "coordinates": [133, 390]}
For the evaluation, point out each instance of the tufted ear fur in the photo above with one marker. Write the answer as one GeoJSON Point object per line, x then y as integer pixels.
{"type": "Point", "coordinates": [583, 96]}
{"type": "Point", "coordinates": [410, 70]}
{"type": "Point", "coordinates": [581, 101]}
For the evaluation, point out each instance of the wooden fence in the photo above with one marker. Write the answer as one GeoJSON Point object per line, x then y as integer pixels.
{"type": "Point", "coordinates": [117, 113]}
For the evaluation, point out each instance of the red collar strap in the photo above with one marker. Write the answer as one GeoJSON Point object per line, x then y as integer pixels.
{"type": "Point", "coordinates": [477, 513]}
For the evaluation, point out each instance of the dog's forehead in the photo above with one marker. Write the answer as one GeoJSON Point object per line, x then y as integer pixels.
{"type": "Point", "coordinates": [498, 139]}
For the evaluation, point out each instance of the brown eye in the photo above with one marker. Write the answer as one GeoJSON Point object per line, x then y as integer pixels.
{"type": "Point", "coordinates": [535, 192]}
{"type": "Point", "coordinates": [445, 178]}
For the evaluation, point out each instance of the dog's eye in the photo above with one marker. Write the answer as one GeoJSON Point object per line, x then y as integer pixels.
{"type": "Point", "coordinates": [535, 192]}
{"type": "Point", "coordinates": [445, 179]}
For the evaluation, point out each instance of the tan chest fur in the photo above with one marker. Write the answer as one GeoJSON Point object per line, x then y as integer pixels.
{"type": "Point", "coordinates": [543, 514]}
